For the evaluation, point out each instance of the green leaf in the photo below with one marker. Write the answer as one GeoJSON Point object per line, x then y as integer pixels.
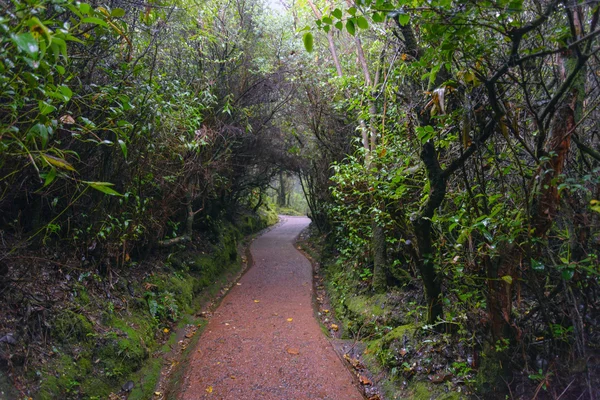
{"type": "Point", "coordinates": [352, 11]}
{"type": "Point", "coordinates": [95, 21]}
{"type": "Point", "coordinates": [378, 17]}
{"type": "Point", "coordinates": [327, 28]}
{"type": "Point", "coordinates": [123, 147]}
{"type": "Point", "coordinates": [567, 274]}
{"type": "Point", "coordinates": [362, 22]}
{"type": "Point", "coordinates": [68, 93]}
{"type": "Point", "coordinates": [327, 20]}
{"type": "Point", "coordinates": [403, 19]}
{"type": "Point", "coordinates": [308, 41]}
{"type": "Point", "coordinates": [85, 8]}
{"type": "Point", "coordinates": [339, 25]}
{"type": "Point", "coordinates": [104, 187]}
{"type": "Point", "coordinates": [537, 266]}
{"type": "Point", "coordinates": [508, 279]}
{"type": "Point", "coordinates": [60, 45]}
{"type": "Point", "coordinates": [117, 13]}
{"type": "Point", "coordinates": [41, 131]}
{"type": "Point", "coordinates": [45, 108]}
{"type": "Point", "coordinates": [337, 13]}
{"type": "Point", "coordinates": [50, 176]}
{"type": "Point", "coordinates": [350, 27]}
{"type": "Point", "coordinates": [26, 43]}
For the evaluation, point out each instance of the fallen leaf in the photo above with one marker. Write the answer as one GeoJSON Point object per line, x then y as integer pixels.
{"type": "Point", "coordinates": [166, 330]}
{"type": "Point", "coordinates": [440, 378]}
{"type": "Point", "coordinates": [232, 377]}
{"type": "Point", "coordinates": [67, 119]}
{"type": "Point", "coordinates": [157, 393]}
{"type": "Point", "coordinates": [189, 335]}
{"type": "Point", "coordinates": [290, 319]}
{"type": "Point", "coordinates": [209, 389]}
{"type": "Point", "coordinates": [325, 311]}
{"type": "Point", "coordinates": [403, 352]}
{"type": "Point", "coordinates": [334, 327]}
{"type": "Point", "coordinates": [257, 301]}
{"type": "Point", "coordinates": [239, 284]}
{"type": "Point", "coordinates": [293, 351]}
{"type": "Point", "coordinates": [364, 380]}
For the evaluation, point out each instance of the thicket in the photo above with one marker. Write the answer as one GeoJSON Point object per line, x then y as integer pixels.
{"type": "Point", "coordinates": [463, 141]}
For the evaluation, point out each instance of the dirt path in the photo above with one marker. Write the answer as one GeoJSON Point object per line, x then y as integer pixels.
{"type": "Point", "coordinates": [263, 341]}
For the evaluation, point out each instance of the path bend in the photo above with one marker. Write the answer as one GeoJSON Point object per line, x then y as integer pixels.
{"type": "Point", "coordinates": [263, 341]}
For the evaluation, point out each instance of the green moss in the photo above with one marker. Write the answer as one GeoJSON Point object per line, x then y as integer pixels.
{"type": "Point", "coordinates": [426, 391]}
{"type": "Point", "coordinates": [83, 297]}
{"type": "Point", "coordinates": [71, 327]}
{"type": "Point", "coordinates": [146, 379]}
{"type": "Point", "coordinates": [63, 379]}
{"type": "Point", "coordinates": [489, 373]}
{"type": "Point", "coordinates": [95, 363]}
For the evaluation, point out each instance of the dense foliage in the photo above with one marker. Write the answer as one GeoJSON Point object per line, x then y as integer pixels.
{"type": "Point", "coordinates": [158, 106]}
{"type": "Point", "coordinates": [474, 169]}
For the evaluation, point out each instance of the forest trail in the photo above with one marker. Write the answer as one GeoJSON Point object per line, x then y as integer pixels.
{"type": "Point", "coordinates": [263, 342]}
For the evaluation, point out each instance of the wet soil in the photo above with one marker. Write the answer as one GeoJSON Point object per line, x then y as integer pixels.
{"type": "Point", "coordinates": [263, 341]}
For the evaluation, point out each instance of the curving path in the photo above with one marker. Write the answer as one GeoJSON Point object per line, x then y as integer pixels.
{"type": "Point", "coordinates": [263, 341]}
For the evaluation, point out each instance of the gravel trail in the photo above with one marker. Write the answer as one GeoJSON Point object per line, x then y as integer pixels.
{"type": "Point", "coordinates": [263, 341]}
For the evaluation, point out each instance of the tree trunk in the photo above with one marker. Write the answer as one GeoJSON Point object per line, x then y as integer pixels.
{"type": "Point", "coordinates": [423, 233]}
{"type": "Point", "coordinates": [379, 256]}
{"type": "Point", "coordinates": [281, 197]}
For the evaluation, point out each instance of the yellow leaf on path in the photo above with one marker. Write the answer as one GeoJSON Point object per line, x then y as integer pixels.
{"type": "Point", "coordinates": [293, 351]}
{"type": "Point", "coordinates": [257, 301]}
{"type": "Point", "coordinates": [325, 311]}
{"type": "Point", "coordinates": [290, 319]}
{"type": "Point", "coordinates": [157, 393]}
{"type": "Point", "coordinates": [334, 327]}
{"type": "Point", "coordinates": [209, 389]}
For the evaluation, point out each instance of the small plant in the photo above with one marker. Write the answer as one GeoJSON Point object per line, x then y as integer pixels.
{"type": "Point", "coordinates": [366, 274]}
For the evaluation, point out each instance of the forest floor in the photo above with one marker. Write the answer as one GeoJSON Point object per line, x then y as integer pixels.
{"type": "Point", "coordinates": [263, 341]}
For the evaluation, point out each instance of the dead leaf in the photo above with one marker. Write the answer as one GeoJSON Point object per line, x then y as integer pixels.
{"type": "Point", "coordinates": [364, 380]}
{"type": "Point", "coordinates": [290, 319]}
{"type": "Point", "coordinates": [166, 330]}
{"type": "Point", "coordinates": [257, 301]}
{"type": "Point", "coordinates": [403, 352]}
{"type": "Point", "coordinates": [209, 389]}
{"type": "Point", "coordinates": [293, 351]}
{"type": "Point", "coordinates": [325, 311]}
{"type": "Point", "coordinates": [67, 119]}
{"type": "Point", "coordinates": [334, 327]}
{"type": "Point", "coordinates": [239, 284]}
{"type": "Point", "coordinates": [189, 335]}
{"type": "Point", "coordinates": [440, 377]}
{"type": "Point", "coordinates": [157, 393]}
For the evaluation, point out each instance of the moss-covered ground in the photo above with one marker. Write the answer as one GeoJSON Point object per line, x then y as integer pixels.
{"type": "Point", "coordinates": [403, 358]}
{"type": "Point", "coordinates": [103, 339]}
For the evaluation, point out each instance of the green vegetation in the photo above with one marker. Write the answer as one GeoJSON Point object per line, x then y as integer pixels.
{"type": "Point", "coordinates": [446, 151]}
{"type": "Point", "coordinates": [95, 360]}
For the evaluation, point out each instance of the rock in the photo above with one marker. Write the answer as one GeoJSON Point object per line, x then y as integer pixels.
{"type": "Point", "coordinates": [127, 386]}
{"type": "Point", "coordinates": [8, 338]}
